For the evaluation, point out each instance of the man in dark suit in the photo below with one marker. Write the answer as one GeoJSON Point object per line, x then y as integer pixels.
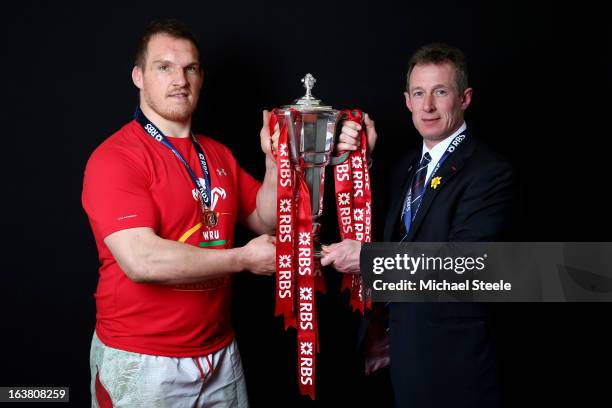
{"type": "Point", "coordinates": [453, 189]}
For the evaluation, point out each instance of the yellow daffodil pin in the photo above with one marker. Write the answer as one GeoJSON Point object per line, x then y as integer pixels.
{"type": "Point", "coordinates": [435, 182]}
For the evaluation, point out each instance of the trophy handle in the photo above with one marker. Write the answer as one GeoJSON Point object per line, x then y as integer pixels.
{"type": "Point", "coordinates": [339, 159]}
{"type": "Point", "coordinates": [342, 157]}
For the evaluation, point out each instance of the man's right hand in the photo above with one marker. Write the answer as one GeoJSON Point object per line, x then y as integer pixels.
{"type": "Point", "coordinates": [343, 256]}
{"type": "Point", "coordinates": [259, 255]}
{"type": "Point", "coordinates": [269, 144]}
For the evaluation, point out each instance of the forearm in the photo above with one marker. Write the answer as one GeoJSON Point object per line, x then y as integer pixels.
{"type": "Point", "coordinates": [170, 262]}
{"type": "Point", "coordinates": [151, 259]}
{"type": "Point", "coordinates": [266, 199]}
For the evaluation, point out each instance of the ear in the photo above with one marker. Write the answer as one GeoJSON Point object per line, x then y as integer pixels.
{"type": "Point", "coordinates": [408, 101]}
{"type": "Point", "coordinates": [466, 98]}
{"type": "Point", "coordinates": [137, 76]}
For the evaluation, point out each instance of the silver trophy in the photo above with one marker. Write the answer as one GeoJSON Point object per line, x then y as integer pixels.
{"type": "Point", "coordinates": [312, 132]}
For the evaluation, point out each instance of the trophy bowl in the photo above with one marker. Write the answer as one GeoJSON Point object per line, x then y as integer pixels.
{"type": "Point", "coordinates": [312, 130]}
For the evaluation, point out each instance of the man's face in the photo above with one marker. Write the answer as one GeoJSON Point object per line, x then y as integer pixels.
{"type": "Point", "coordinates": [171, 79]}
{"type": "Point", "coordinates": [434, 100]}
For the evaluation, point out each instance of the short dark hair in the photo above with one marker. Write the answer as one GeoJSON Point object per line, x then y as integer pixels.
{"type": "Point", "coordinates": [438, 54]}
{"type": "Point", "coordinates": [170, 26]}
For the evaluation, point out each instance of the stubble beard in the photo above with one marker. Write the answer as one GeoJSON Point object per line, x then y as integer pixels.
{"type": "Point", "coordinates": [180, 113]}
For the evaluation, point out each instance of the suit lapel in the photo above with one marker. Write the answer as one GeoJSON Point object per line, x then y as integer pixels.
{"type": "Point", "coordinates": [403, 177]}
{"type": "Point", "coordinates": [451, 166]}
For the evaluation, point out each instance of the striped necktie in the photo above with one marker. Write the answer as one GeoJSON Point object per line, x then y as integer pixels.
{"type": "Point", "coordinates": [418, 189]}
{"type": "Point", "coordinates": [418, 184]}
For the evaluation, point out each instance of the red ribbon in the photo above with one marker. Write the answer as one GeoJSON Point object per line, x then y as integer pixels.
{"type": "Point", "coordinates": [354, 204]}
{"type": "Point", "coordinates": [307, 323]}
{"type": "Point", "coordinates": [285, 221]}
{"type": "Point", "coordinates": [296, 282]}
{"type": "Point", "coordinates": [295, 268]}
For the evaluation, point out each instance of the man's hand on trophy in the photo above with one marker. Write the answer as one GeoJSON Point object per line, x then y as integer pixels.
{"type": "Point", "coordinates": [264, 134]}
{"type": "Point", "coordinates": [343, 256]}
{"type": "Point", "coordinates": [259, 255]}
{"type": "Point", "coordinates": [349, 136]}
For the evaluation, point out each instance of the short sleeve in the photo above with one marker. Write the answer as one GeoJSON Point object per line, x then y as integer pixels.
{"type": "Point", "coordinates": [116, 193]}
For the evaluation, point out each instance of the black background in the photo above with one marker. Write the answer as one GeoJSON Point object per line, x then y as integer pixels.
{"type": "Point", "coordinates": [541, 81]}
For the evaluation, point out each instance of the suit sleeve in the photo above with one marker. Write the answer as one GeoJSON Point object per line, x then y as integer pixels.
{"type": "Point", "coordinates": [486, 210]}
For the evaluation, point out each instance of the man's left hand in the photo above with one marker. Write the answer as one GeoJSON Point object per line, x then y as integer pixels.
{"type": "Point", "coordinates": [349, 136]}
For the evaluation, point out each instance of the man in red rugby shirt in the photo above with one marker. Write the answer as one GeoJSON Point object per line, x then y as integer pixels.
{"type": "Point", "coordinates": [162, 203]}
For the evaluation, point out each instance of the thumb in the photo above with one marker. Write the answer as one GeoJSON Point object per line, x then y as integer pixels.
{"type": "Point", "coordinates": [330, 248]}
{"type": "Point", "coordinates": [327, 260]}
{"type": "Point", "coordinates": [371, 132]}
{"type": "Point", "coordinates": [266, 118]}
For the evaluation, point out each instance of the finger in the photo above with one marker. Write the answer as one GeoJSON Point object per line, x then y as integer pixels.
{"type": "Point", "coordinates": [271, 239]}
{"type": "Point", "coordinates": [371, 141]}
{"type": "Point", "coordinates": [275, 138]}
{"type": "Point", "coordinates": [266, 118]}
{"type": "Point", "coordinates": [344, 138]}
{"type": "Point", "coordinates": [276, 133]}
{"type": "Point", "coordinates": [264, 133]}
{"type": "Point", "coordinates": [345, 146]}
{"type": "Point", "coordinates": [327, 260]}
{"type": "Point", "coordinates": [372, 136]}
{"type": "Point", "coordinates": [266, 272]}
{"type": "Point", "coordinates": [352, 125]}
{"type": "Point", "coordinates": [331, 247]}
{"type": "Point", "coordinates": [368, 121]}
{"type": "Point", "coordinates": [350, 131]}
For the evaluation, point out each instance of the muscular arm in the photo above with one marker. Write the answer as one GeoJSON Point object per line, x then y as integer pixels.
{"type": "Point", "coordinates": [263, 219]}
{"type": "Point", "coordinates": [147, 258]}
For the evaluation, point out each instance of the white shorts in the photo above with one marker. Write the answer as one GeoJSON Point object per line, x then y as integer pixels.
{"type": "Point", "coordinates": [124, 379]}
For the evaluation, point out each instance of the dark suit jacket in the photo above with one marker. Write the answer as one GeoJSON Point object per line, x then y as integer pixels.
{"type": "Point", "coordinates": [443, 354]}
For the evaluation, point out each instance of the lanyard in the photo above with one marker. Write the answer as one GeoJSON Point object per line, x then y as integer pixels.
{"type": "Point", "coordinates": [407, 213]}
{"type": "Point", "coordinates": [158, 135]}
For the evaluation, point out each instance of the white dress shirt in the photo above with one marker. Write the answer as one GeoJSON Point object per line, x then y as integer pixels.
{"type": "Point", "coordinates": [438, 150]}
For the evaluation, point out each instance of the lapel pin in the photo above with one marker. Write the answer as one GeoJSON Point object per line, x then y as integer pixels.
{"type": "Point", "coordinates": [435, 182]}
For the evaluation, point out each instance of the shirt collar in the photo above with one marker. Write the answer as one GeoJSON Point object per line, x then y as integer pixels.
{"type": "Point", "coordinates": [438, 150]}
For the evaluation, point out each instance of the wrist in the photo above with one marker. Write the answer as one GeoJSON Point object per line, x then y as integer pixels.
{"type": "Point", "coordinates": [241, 258]}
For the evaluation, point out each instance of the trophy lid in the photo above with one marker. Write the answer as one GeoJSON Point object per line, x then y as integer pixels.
{"type": "Point", "coordinates": [308, 102]}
